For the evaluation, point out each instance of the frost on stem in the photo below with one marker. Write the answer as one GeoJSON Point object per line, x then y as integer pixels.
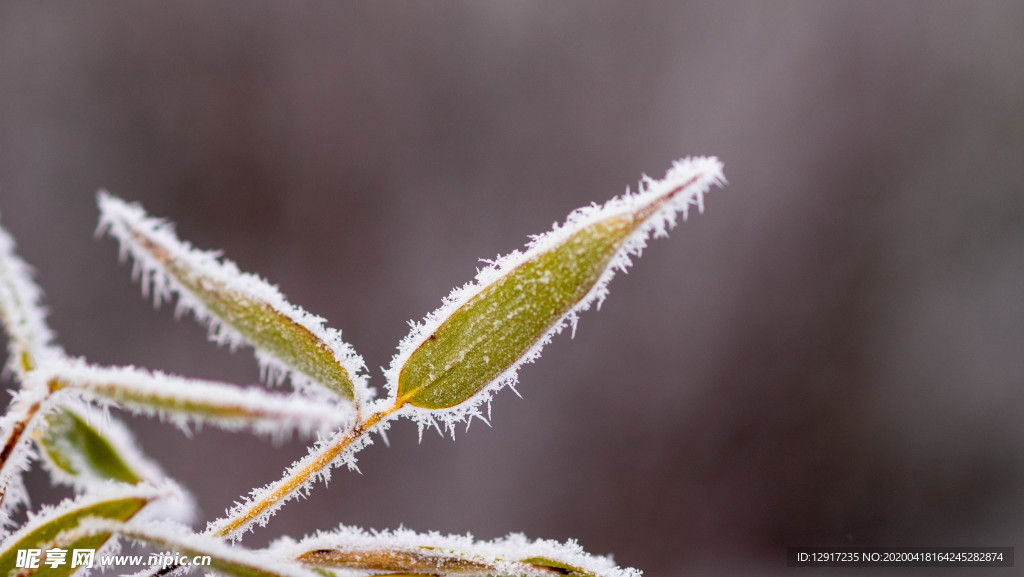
{"type": "Point", "coordinates": [263, 502]}
{"type": "Point", "coordinates": [473, 345]}
{"type": "Point", "coordinates": [16, 452]}
{"type": "Point", "coordinates": [355, 551]}
{"type": "Point", "coordinates": [238, 307]}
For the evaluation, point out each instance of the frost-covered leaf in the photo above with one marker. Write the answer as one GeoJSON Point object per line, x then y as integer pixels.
{"type": "Point", "coordinates": [239, 307]}
{"type": "Point", "coordinates": [24, 318]}
{"type": "Point", "coordinates": [81, 453]}
{"type": "Point", "coordinates": [487, 335]}
{"type": "Point", "coordinates": [224, 559]}
{"type": "Point", "coordinates": [87, 448]}
{"type": "Point", "coordinates": [182, 400]}
{"type": "Point", "coordinates": [486, 330]}
{"type": "Point", "coordinates": [408, 552]}
{"type": "Point", "coordinates": [117, 501]}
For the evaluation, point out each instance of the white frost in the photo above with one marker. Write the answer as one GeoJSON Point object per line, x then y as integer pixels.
{"type": "Point", "coordinates": [21, 310]}
{"type": "Point", "coordinates": [110, 491]}
{"type": "Point", "coordinates": [180, 539]}
{"type": "Point", "coordinates": [683, 186]}
{"type": "Point", "coordinates": [28, 407]}
{"type": "Point", "coordinates": [506, 556]}
{"type": "Point", "coordinates": [315, 454]}
{"type": "Point", "coordinates": [183, 400]}
{"type": "Point", "coordinates": [124, 221]}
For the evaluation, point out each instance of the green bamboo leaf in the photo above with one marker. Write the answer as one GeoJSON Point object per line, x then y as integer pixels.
{"type": "Point", "coordinates": [487, 335]}
{"type": "Point", "coordinates": [485, 331]}
{"type": "Point", "coordinates": [120, 504]}
{"type": "Point", "coordinates": [239, 307]}
{"type": "Point", "coordinates": [182, 400]}
{"type": "Point", "coordinates": [78, 450]}
{"type": "Point", "coordinates": [88, 449]}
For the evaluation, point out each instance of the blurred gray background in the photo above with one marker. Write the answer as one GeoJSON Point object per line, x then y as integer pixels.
{"type": "Point", "coordinates": [831, 354]}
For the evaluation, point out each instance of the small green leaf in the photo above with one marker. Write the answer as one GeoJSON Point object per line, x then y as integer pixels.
{"type": "Point", "coordinates": [77, 449]}
{"type": "Point", "coordinates": [270, 330]}
{"type": "Point", "coordinates": [485, 331]}
{"type": "Point", "coordinates": [239, 307]}
{"type": "Point", "coordinates": [47, 527]}
{"type": "Point", "coordinates": [495, 328]}
{"type": "Point", "coordinates": [181, 399]}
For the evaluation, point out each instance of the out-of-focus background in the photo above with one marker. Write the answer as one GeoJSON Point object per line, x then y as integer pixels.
{"type": "Point", "coordinates": [832, 354]}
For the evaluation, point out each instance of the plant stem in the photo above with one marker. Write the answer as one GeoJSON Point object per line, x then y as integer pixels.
{"type": "Point", "coordinates": [282, 489]}
{"type": "Point", "coordinates": [17, 433]}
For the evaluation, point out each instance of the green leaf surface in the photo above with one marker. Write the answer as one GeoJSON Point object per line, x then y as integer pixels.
{"type": "Point", "coordinates": [272, 331]}
{"type": "Point", "coordinates": [181, 399]}
{"type": "Point", "coordinates": [120, 509]}
{"type": "Point", "coordinates": [258, 322]}
{"type": "Point", "coordinates": [72, 445]}
{"type": "Point", "coordinates": [167, 402]}
{"type": "Point", "coordinates": [495, 328]}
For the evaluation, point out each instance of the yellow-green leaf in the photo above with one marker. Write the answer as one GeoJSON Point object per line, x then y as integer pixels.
{"type": "Point", "coordinates": [486, 330]}
{"type": "Point", "coordinates": [182, 400]}
{"type": "Point", "coordinates": [240, 307]}
{"type": "Point", "coordinates": [270, 330]}
{"type": "Point", "coordinates": [488, 334]}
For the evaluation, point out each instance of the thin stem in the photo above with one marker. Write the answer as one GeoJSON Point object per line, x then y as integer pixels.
{"type": "Point", "coordinates": [290, 483]}
{"type": "Point", "coordinates": [17, 433]}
